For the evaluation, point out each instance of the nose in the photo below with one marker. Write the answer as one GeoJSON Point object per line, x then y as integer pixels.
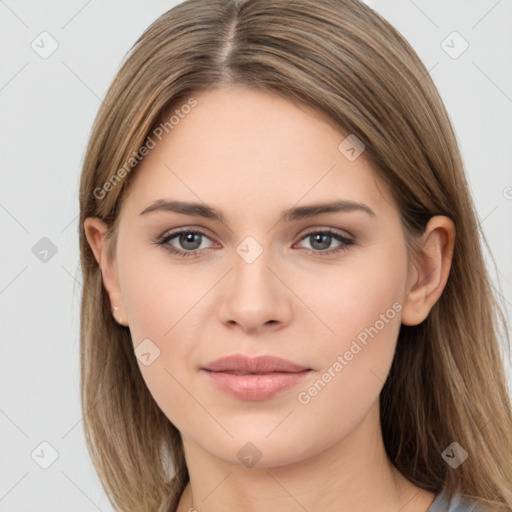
{"type": "Point", "coordinates": [255, 296]}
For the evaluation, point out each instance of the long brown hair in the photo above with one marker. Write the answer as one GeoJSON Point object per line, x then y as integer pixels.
{"type": "Point", "coordinates": [447, 381]}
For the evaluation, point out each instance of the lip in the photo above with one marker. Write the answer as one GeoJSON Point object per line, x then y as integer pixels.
{"type": "Point", "coordinates": [254, 378]}
{"type": "Point", "coordinates": [258, 364]}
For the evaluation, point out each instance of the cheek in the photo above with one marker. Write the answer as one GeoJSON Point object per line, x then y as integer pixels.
{"type": "Point", "coordinates": [157, 293]}
{"type": "Point", "coordinates": [157, 319]}
{"type": "Point", "coordinates": [361, 304]}
{"type": "Point", "coordinates": [353, 297]}
{"type": "Point", "coordinates": [157, 298]}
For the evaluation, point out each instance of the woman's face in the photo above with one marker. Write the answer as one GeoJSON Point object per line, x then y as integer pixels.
{"type": "Point", "coordinates": [259, 282]}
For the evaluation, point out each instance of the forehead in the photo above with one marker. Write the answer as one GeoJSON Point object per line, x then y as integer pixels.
{"type": "Point", "coordinates": [244, 148]}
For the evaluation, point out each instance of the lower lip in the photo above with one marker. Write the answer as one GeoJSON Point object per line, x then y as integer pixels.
{"type": "Point", "coordinates": [255, 386]}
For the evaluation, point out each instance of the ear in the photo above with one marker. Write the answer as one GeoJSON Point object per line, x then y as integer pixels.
{"type": "Point", "coordinates": [429, 270]}
{"type": "Point", "coordinates": [95, 232]}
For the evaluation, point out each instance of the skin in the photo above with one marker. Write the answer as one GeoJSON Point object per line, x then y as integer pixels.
{"type": "Point", "coordinates": [252, 155]}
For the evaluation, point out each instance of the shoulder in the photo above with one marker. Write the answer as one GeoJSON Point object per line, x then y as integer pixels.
{"type": "Point", "coordinates": [456, 503]}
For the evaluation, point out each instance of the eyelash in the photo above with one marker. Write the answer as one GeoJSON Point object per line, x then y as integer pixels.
{"type": "Point", "coordinates": [165, 239]}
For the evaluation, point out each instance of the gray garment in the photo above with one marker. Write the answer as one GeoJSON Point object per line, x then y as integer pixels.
{"type": "Point", "coordinates": [443, 503]}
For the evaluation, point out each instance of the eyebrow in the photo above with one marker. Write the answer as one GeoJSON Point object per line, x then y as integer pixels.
{"type": "Point", "coordinates": [292, 214]}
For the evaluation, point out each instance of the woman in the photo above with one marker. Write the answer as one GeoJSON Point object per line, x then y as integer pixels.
{"type": "Point", "coordinates": [285, 303]}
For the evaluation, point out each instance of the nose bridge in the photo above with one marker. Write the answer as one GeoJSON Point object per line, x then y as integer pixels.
{"type": "Point", "coordinates": [251, 275]}
{"type": "Point", "coordinates": [254, 296]}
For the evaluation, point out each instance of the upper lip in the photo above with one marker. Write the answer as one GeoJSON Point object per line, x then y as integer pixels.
{"type": "Point", "coordinates": [259, 364]}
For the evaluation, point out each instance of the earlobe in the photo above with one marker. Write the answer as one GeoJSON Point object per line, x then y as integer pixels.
{"type": "Point", "coordinates": [429, 271]}
{"type": "Point", "coordinates": [95, 232]}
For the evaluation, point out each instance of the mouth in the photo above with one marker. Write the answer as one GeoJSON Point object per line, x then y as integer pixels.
{"type": "Point", "coordinates": [239, 372]}
{"type": "Point", "coordinates": [259, 364]}
{"type": "Point", "coordinates": [254, 378]}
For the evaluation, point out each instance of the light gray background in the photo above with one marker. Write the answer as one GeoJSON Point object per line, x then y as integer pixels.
{"type": "Point", "coordinates": [47, 109]}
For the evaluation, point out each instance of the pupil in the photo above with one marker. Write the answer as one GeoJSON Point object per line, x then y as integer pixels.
{"type": "Point", "coordinates": [319, 237]}
{"type": "Point", "coordinates": [188, 238]}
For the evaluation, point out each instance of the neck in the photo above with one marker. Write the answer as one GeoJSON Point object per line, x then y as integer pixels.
{"type": "Point", "coordinates": [355, 475]}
